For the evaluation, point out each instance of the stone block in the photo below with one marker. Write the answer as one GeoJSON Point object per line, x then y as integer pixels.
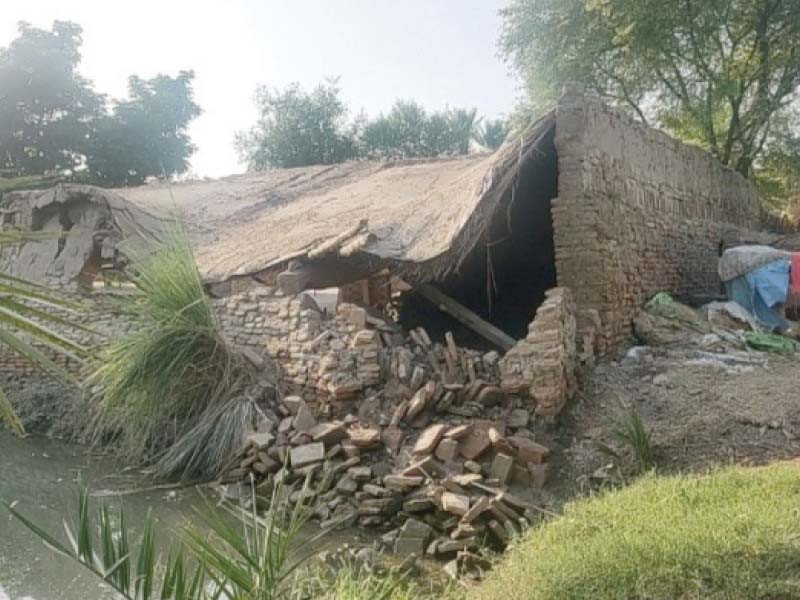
{"type": "Point", "coordinates": [304, 419]}
{"type": "Point", "coordinates": [447, 450]}
{"type": "Point", "coordinates": [501, 468]}
{"type": "Point", "coordinates": [260, 439]}
{"type": "Point", "coordinates": [293, 403]}
{"type": "Point", "coordinates": [475, 444]}
{"type": "Point", "coordinates": [429, 438]}
{"type": "Point", "coordinates": [455, 504]}
{"type": "Point", "coordinates": [307, 454]}
{"type": "Point", "coordinates": [330, 433]}
{"type": "Point", "coordinates": [365, 437]}
{"type": "Point", "coordinates": [529, 451]}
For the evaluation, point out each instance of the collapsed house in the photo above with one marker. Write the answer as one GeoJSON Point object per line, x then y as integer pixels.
{"type": "Point", "coordinates": [586, 199]}
{"type": "Point", "coordinates": [469, 293]}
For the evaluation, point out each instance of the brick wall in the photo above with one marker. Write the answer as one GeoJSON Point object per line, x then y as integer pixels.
{"type": "Point", "coordinates": [637, 212]}
{"type": "Point", "coordinates": [335, 355]}
{"type": "Point", "coordinates": [97, 313]}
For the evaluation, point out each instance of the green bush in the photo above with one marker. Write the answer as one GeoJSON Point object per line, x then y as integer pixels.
{"type": "Point", "coordinates": [166, 392]}
{"type": "Point", "coordinates": [732, 534]}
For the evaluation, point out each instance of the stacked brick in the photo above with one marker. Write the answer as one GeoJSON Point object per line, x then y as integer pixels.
{"type": "Point", "coordinates": [337, 357]}
{"type": "Point", "coordinates": [543, 365]}
{"type": "Point", "coordinates": [552, 337]}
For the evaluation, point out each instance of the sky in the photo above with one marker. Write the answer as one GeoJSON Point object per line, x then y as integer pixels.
{"type": "Point", "coordinates": [438, 52]}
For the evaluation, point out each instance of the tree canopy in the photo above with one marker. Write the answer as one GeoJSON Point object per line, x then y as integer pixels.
{"type": "Point", "coordinates": [146, 134]}
{"type": "Point", "coordinates": [297, 128]}
{"type": "Point", "coordinates": [46, 106]}
{"type": "Point", "coordinates": [53, 122]}
{"type": "Point", "coordinates": [721, 73]}
{"type": "Point", "coordinates": [491, 133]}
{"type": "Point", "coordinates": [409, 131]}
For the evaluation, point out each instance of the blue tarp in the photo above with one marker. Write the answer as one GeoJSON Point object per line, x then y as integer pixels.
{"type": "Point", "coordinates": [761, 290]}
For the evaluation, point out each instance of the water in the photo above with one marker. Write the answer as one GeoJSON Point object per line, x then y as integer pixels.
{"type": "Point", "coordinates": [44, 477]}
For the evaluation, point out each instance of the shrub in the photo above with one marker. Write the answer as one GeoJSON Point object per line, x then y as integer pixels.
{"type": "Point", "coordinates": [167, 391]}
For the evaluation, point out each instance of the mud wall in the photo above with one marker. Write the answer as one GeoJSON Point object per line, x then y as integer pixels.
{"type": "Point", "coordinates": [637, 212]}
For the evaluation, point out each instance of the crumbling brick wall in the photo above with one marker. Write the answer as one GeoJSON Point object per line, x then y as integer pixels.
{"type": "Point", "coordinates": [335, 356]}
{"type": "Point", "coordinates": [96, 311]}
{"type": "Point", "coordinates": [637, 212]}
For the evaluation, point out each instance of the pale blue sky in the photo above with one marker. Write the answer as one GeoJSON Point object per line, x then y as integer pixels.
{"type": "Point", "coordinates": [439, 52]}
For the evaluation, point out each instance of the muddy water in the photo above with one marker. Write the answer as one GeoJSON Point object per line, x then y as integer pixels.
{"type": "Point", "coordinates": [44, 476]}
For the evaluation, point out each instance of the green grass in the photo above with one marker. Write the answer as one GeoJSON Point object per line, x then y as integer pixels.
{"type": "Point", "coordinates": [631, 432]}
{"type": "Point", "coordinates": [166, 391]}
{"type": "Point", "coordinates": [352, 584]}
{"type": "Point", "coordinates": [733, 535]}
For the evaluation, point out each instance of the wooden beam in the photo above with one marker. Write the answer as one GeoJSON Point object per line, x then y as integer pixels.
{"type": "Point", "coordinates": [322, 273]}
{"type": "Point", "coordinates": [464, 315]}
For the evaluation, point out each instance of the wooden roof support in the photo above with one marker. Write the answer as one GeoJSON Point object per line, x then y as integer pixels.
{"type": "Point", "coordinates": [322, 273]}
{"type": "Point", "coordinates": [464, 315]}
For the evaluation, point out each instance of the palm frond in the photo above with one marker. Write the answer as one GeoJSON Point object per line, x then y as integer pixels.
{"type": "Point", "coordinates": [254, 560]}
{"type": "Point", "coordinates": [18, 319]}
{"type": "Point", "coordinates": [258, 558]}
{"type": "Point", "coordinates": [8, 416]}
{"type": "Point", "coordinates": [103, 549]}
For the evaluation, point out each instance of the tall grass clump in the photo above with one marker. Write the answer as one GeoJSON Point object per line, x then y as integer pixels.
{"type": "Point", "coordinates": [733, 534]}
{"type": "Point", "coordinates": [166, 391]}
{"type": "Point", "coordinates": [631, 433]}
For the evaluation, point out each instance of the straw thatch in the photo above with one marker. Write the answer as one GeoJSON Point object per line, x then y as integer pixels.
{"type": "Point", "coordinates": [422, 216]}
{"type": "Point", "coordinates": [79, 217]}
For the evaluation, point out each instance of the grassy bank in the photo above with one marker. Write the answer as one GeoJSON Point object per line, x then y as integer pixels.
{"type": "Point", "coordinates": [734, 534]}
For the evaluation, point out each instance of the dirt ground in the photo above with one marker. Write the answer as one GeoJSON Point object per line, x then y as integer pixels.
{"type": "Point", "coordinates": [704, 407]}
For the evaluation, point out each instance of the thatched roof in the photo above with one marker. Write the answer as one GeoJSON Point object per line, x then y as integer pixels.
{"type": "Point", "coordinates": [83, 211]}
{"type": "Point", "coordinates": [424, 215]}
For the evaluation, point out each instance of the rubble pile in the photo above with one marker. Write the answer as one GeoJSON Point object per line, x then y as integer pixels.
{"type": "Point", "coordinates": [430, 454]}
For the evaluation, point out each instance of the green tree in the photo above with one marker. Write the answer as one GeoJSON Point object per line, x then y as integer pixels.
{"type": "Point", "coordinates": [297, 128]}
{"type": "Point", "coordinates": [145, 135]}
{"type": "Point", "coordinates": [462, 124]}
{"type": "Point", "coordinates": [46, 106]}
{"type": "Point", "coordinates": [53, 122]}
{"type": "Point", "coordinates": [401, 133]}
{"type": "Point", "coordinates": [491, 133]}
{"type": "Point", "coordinates": [409, 131]}
{"type": "Point", "coordinates": [720, 73]}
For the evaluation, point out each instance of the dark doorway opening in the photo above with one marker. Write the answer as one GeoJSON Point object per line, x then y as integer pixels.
{"type": "Point", "coordinates": [505, 276]}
